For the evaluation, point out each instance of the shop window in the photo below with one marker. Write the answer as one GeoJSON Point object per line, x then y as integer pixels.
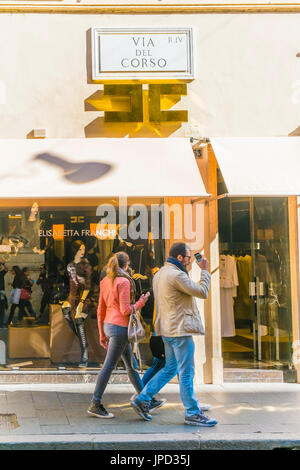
{"type": "Point", "coordinates": [255, 294]}
{"type": "Point", "coordinates": [39, 247]}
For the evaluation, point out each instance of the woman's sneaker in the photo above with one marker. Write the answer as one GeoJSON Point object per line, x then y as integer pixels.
{"type": "Point", "coordinates": [200, 420]}
{"type": "Point", "coordinates": [98, 410]}
{"type": "Point", "coordinates": [142, 408]}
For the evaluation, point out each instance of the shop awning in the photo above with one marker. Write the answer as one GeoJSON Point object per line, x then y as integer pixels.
{"type": "Point", "coordinates": [259, 166]}
{"type": "Point", "coordinates": [99, 167]}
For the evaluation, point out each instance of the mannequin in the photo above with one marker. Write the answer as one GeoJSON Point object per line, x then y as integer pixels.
{"type": "Point", "coordinates": [34, 210]}
{"type": "Point", "coordinates": [32, 228]}
{"type": "Point", "coordinates": [78, 305]}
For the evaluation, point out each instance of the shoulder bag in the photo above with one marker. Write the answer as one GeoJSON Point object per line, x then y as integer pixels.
{"type": "Point", "coordinates": [136, 333]}
{"type": "Point", "coordinates": [25, 294]}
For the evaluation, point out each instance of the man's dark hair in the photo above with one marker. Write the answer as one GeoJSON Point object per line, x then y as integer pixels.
{"type": "Point", "coordinates": [178, 249]}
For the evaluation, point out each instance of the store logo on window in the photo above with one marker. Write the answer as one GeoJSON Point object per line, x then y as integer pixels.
{"type": "Point", "coordinates": [103, 231]}
{"type": "Point", "coordinates": [77, 219]}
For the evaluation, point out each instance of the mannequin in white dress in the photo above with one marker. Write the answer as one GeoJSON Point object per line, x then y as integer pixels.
{"type": "Point", "coordinates": [228, 290]}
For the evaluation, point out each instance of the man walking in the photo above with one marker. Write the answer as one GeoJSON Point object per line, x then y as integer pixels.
{"type": "Point", "coordinates": [174, 294]}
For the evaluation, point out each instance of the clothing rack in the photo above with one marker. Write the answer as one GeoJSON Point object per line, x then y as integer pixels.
{"type": "Point", "coordinates": [235, 248]}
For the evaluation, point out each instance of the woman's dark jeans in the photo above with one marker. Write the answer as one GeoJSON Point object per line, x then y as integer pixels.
{"type": "Point", "coordinates": [118, 347]}
{"type": "Point", "coordinates": [11, 313]}
{"type": "Point", "coordinates": [24, 303]}
{"type": "Point", "coordinates": [157, 364]}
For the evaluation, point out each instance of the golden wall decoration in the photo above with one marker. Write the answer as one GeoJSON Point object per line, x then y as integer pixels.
{"type": "Point", "coordinates": [136, 110]}
{"type": "Point", "coordinates": [135, 93]}
{"type": "Point", "coordinates": [156, 92]}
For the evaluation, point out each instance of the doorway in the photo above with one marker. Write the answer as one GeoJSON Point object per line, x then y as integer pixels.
{"type": "Point", "coordinates": [256, 324]}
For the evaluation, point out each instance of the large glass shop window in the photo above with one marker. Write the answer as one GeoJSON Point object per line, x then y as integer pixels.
{"type": "Point", "coordinates": [255, 292]}
{"type": "Point", "coordinates": [49, 260]}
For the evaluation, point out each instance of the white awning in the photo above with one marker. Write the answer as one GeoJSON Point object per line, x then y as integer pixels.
{"type": "Point", "coordinates": [259, 166]}
{"type": "Point", "coordinates": [99, 167]}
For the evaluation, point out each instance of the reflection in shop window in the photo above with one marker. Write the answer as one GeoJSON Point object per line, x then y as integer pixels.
{"type": "Point", "coordinates": [64, 251]}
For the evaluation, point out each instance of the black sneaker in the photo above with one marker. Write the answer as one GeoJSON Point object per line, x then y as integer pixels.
{"type": "Point", "coordinates": [98, 410]}
{"type": "Point", "coordinates": [200, 420]}
{"type": "Point", "coordinates": [156, 403]}
{"type": "Point", "coordinates": [142, 408]}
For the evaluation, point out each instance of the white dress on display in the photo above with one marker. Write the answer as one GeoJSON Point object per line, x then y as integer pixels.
{"type": "Point", "coordinates": [228, 290]}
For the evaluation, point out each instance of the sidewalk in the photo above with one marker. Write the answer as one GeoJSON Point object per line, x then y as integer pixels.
{"type": "Point", "coordinates": [53, 416]}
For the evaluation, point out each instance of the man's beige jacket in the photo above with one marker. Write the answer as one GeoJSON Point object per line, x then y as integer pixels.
{"type": "Point", "coordinates": [174, 294]}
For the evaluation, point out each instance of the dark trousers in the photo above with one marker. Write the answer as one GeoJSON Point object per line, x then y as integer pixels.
{"type": "Point", "coordinates": [45, 301]}
{"type": "Point", "coordinates": [118, 347]}
{"type": "Point", "coordinates": [157, 364]}
{"type": "Point", "coordinates": [11, 313]}
{"type": "Point", "coordinates": [44, 313]}
{"type": "Point", "coordinates": [2, 312]}
{"type": "Point", "coordinates": [22, 305]}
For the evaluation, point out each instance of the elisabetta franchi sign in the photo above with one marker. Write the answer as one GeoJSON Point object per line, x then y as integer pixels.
{"type": "Point", "coordinates": [142, 53]}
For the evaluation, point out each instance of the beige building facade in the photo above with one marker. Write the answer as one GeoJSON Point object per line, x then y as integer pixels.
{"type": "Point", "coordinates": [244, 84]}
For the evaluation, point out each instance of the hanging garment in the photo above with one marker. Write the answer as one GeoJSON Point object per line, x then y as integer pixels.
{"type": "Point", "coordinates": [228, 272]}
{"type": "Point", "coordinates": [228, 290]}
{"type": "Point", "coordinates": [227, 313]}
{"type": "Point", "coordinates": [243, 305]}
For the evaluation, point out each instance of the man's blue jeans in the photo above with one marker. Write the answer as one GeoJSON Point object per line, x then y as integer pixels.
{"type": "Point", "coordinates": [179, 353]}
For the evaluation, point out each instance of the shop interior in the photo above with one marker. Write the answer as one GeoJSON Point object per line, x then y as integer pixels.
{"type": "Point", "coordinates": [41, 248]}
{"type": "Point", "coordinates": [255, 292]}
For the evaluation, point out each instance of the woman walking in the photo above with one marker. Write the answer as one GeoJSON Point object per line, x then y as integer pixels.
{"type": "Point", "coordinates": [117, 296]}
{"type": "Point", "coordinates": [25, 297]}
{"type": "Point", "coordinates": [15, 294]}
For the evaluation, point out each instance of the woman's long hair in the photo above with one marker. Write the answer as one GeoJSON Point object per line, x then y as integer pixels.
{"type": "Point", "coordinates": [118, 260]}
{"type": "Point", "coordinates": [19, 275]}
{"type": "Point", "coordinates": [18, 272]}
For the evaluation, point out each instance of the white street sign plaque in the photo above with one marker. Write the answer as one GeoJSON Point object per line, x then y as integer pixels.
{"type": "Point", "coordinates": [142, 53]}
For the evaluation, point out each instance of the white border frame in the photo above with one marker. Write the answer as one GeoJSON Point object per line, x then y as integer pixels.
{"type": "Point", "coordinates": [97, 75]}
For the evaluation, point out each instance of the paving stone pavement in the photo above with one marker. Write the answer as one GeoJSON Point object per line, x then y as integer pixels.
{"type": "Point", "coordinates": [54, 416]}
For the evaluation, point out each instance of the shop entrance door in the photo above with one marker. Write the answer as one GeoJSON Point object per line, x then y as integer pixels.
{"type": "Point", "coordinates": [254, 241]}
